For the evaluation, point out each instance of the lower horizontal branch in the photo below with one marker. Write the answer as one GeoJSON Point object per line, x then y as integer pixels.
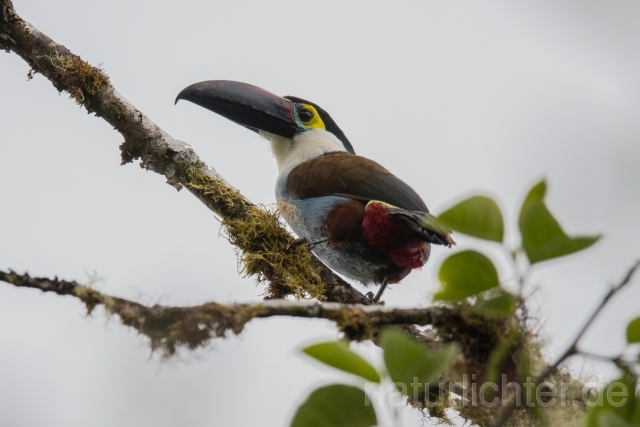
{"type": "Point", "coordinates": [170, 328]}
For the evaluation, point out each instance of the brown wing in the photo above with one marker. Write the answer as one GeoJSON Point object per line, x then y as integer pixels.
{"type": "Point", "coordinates": [349, 175]}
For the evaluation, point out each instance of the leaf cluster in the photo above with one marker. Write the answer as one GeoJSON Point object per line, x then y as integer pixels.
{"type": "Point", "coordinates": [408, 365]}
{"type": "Point", "coordinates": [470, 273]}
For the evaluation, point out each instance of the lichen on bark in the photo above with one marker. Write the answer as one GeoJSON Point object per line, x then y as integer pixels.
{"type": "Point", "coordinates": [263, 246]}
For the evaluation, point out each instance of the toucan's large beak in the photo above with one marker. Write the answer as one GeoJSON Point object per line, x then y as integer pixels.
{"type": "Point", "coordinates": [245, 104]}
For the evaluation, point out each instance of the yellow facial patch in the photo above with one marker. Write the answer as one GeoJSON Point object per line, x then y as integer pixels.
{"type": "Point", "coordinates": [315, 122]}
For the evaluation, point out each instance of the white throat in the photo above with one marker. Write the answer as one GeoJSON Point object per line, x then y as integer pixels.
{"type": "Point", "coordinates": [304, 146]}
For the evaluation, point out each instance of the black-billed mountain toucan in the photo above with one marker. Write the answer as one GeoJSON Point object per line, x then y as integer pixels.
{"type": "Point", "coordinates": [360, 220]}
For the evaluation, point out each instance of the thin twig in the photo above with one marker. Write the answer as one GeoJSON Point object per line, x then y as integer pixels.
{"type": "Point", "coordinates": [611, 359]}
{"type": "Point", "coordinates": [573, 347]}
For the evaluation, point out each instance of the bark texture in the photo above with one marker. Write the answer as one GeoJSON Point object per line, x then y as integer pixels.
{"type": "Point", "coordinates": [171, 328]}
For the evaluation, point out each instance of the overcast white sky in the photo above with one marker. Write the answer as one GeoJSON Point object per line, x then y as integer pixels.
{"type": "Point", "coordinates": [454, 97]}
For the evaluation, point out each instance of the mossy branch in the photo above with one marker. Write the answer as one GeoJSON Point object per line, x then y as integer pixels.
{"type": "Point", "coordinates": [263, 245]}
{"type": "Point", "coordinates": [172, 328]}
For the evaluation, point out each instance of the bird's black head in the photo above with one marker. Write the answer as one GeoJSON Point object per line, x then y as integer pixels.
{"type": "Point", "coordinates": [329, 124]}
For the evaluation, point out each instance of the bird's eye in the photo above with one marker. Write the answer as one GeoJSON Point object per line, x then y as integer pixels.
{"type": "Point", "coordinates": [305, 115]}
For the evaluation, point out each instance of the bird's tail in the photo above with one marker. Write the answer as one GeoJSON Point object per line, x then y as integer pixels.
{"type": "Point", "coordinates": [425, 224]}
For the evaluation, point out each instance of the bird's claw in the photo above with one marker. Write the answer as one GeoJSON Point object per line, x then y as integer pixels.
{"type": "Point", "coordinates": [303, 240]}
{"type": "Point", "coordinates": [297, 242]}
{"type": "Point", "coordinates": [371, 297]}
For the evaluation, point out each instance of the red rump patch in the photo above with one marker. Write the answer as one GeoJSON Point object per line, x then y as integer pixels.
{"type": "Point", "coordinates": [391, 236]}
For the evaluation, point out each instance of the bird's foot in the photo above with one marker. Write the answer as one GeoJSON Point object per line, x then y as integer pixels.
{"type": "Point", "coordinates": [372, 298]}
{"type": "Point", "coordinates": [299, 241]}
{"type": "Point", "coordinates": [383, 286]}
{"type": "Point", "coordinates": [303, 240]}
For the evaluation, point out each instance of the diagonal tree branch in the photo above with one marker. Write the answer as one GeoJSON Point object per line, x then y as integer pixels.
{"type": "Point", "coordinates": [264, 245]}
{"type": "Point", "coordinates": [172, 328]}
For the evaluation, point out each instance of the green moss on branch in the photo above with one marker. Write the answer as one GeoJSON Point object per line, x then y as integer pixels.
{"type": "Point", "coordinates": [73, 75]}
{"type": "Point", "coordinates": [263, 245]}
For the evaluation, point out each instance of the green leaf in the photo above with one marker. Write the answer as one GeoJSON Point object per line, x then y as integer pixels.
{"type": "Point", "coordinates": [465, 274]}
{"type": "Point", "coordinates": [336, 405]}
{"type": "Point", "coordinates": [617, 398]}
{"type": "Point", "coordinates": [477, 216]}
{"type": "Point", "coordinates": [496, 303]}
{"type": "Point", "coordinates": [339, 355]}
{"type": "Point", "coordinates": [542, 236]}
{"type": "Point", "coordinates": [608, 418]}
{"type": "Point", "coordinates": [411, 364]}
{"type": "Point", "coordinates": [536, 194]}
{"type": "Point", "coordinates": [633, 331]}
